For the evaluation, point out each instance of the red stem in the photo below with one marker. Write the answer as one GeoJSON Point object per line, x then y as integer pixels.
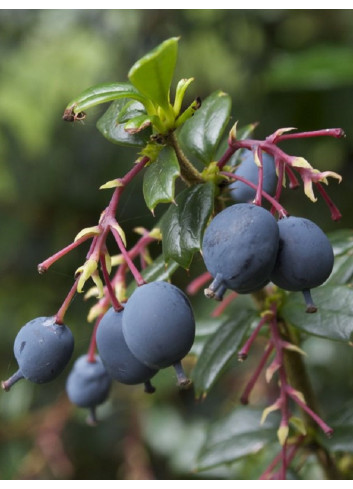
{"type": "Point", "coordinates": [280, 209]}
{"type": "Point", "coordinates": [283, 469]}
{"type": "Point", "coordinates": [335, 133]}
{"type": "Point", "coordinates": [325, 428]}
{"type": "Point", "coordinates": [115, 303]}
{"type": "Point", "coordinates": [218, 310]}
{"type": "Point", "coordinates": [125, 180]}
{"type": "Point", "coordinates": [243, 353]}
{"type": "Point", "coordinates": [293, 181]}
{"type": "Point", "coordinates": [93, 344]}
{"type": "Point", "coordinates": [196, 284]}
{"type": "Point", "coordinates": [43, 267]}
{"type": "Point", "coordinates": [250, 385]}
{"type": "Point", "coordinates": [137, 276]}
{"type": "Point", "coordinates": [59, 318]}
{"type": "Point", "coordinates": [278, 343]}
{"type": "Point", "coordinates": [226, 157]}
{"type": "Point", "coordinates": [335, 213]}
{"type": "Point", "coordinates": [292, 450]}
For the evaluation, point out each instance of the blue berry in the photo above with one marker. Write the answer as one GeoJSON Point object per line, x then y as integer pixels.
{"type": "Point", "coordinates": [88, 384]}
{"type": "Point", "coordinates": [305, 257]}
{"type": "Point", "coordinates": [42, 349]}
{"type": "Point", "coordinates": [116, 356]}
{"type": "Point", "coordinates": [239, 249]}
{"type": "Point", "coordinates": [239, 191]}
{"type": "Point", "coordinates": [158, 324]}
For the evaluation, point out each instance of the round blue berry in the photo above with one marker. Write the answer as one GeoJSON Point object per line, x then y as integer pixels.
{"type": "Point", "coordinates": [158, 324]}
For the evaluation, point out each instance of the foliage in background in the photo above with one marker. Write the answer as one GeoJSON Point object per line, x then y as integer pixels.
{"type": "Point", "coordinates": [277, 74]}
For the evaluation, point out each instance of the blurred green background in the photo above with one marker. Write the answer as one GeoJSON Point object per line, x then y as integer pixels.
{"type": "Point", "coordinates": [282, 68]}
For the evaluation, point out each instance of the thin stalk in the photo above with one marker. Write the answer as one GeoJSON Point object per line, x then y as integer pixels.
{"type": "Point", "coordinates": [43, 267]}
{"type": "Point", "coordinates": [279, 208]}
{"type": "Point", "coordinates": [198, 283]}
{"type": "Point", "coordinates": [115, 303]}
{"type": "Point", "coordinates": [335, 133]}
{"type": "Point", "coordinates": [189, 173]}
{"type": "Point", "coordinates": [244, 399]}
{"type": "Point", "coordinates": [243, 353]}
{"type": "Point", "coordinates": [226, 157]}
{"type": "Point", "coordinates": [124, 181]}
{"type": "Point", "coordinates": [291, 452]}
{"type": "Point", "coordinates": [299, 380]}
{"type": "Point", "coordinates": [93, 345]}
{"type": "Point", "coordinates": [325, 428]}
{"type": "Point", "coordinates": [137, 275]}
{"type": "Point", "coordinates": [59, 317]}
{"type": "Point", "coordinates": [335, 213]}
{"type": "Point", "coordinates": [218, 310]}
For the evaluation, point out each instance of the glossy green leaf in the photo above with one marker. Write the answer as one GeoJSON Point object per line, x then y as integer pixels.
{"type": "Point", "coordinates": [158, 270]}
{"type": "Point", "coordinates": [206, 326]}
{"type": "Point", "coordinates": [342, 241]}
{"type": "Point", "coordinates": [138, 123]}
{"type": "Point", "coordinates": [159, 179]}
{"type": "Point", "coordinates": [152, 74]}
{"type": "Point", "coordinates": [201, 134]}
{"type": "Point", "coordinates": [183, 224]}
{"type": "Point", "coordinates": [220, 348]}
{"type": "Point", "coordinates": [107, 92]}
{"type": "Point", "coordinates": [334, 318]}
{"type": "Point", "coordinates": [237, 435]}
{"type": "Point", "coordinates": [342, 272]}
{"type": "Point", "coordinates": [112, 123]}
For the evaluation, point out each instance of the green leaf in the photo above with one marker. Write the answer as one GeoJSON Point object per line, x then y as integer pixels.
{"type": "Point", "coordinates": [334, 318]}
{"type": "Point", "coordinates": [183, 224]}
{"type": "Point", "coordinates": [237, 435]}
{"type": "Point", "coordinates": [112, 123]}
{"type": "Point", "coordinates": [99, 94]}
{"type": "Point", "coordinates": [138, 123]}
{"type": "Point", "coordinates": [342, 272]}
{"type": "Point", "coordinates": [342, 241]}
{"type": "Point", "coordinates": [158, 270]}
{"type": "Point", "coordinates": [220, 348]}
{"type": "Point", "coordinates": [201, 134]}
{"type": "Point", "coordinates": [205, 327]}
{"type": "Point", "coordinates": [159, 178]}
{"type": "Point", "coordinates": [152, 74]}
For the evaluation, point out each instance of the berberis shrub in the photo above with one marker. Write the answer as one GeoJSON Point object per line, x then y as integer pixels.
{"type": "Point", "coordinates": [251, 248]}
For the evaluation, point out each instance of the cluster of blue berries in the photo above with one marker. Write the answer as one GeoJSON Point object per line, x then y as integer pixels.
{"type": "Point", "coordinates": [245, 248]}
{"type": "Point", "coordinates": [155, 330]}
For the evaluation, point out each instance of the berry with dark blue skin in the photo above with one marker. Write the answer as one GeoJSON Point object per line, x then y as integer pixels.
{"type": "Point", "coordinates": [305, 257]}
{"type": "Point", "coordinates": [240, 191]}
{"type": "Point", "coordinates": [159, 324]}
{"type": "Point", "coordinates": [42, 349]}
{"type": "Point", "coordinates": [240, 248]}
{"type": "Point", "coordinates": [88, 384]}
{"type": "Point", "coordinates": [121, 364]}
